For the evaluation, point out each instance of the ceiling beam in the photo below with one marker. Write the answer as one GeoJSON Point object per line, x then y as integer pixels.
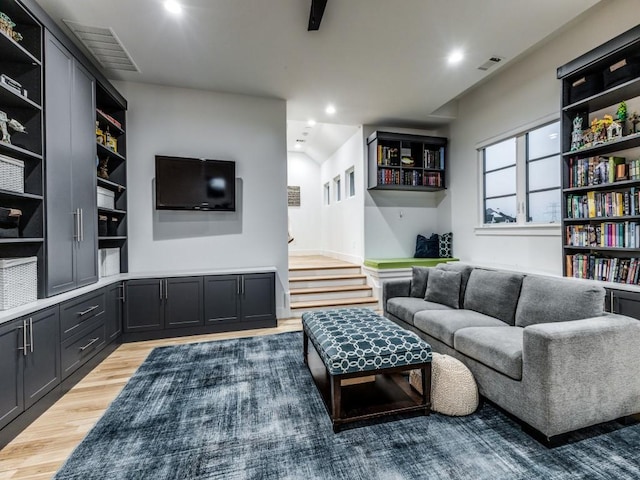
{"type": "Point", "coordinates": [315, 17]}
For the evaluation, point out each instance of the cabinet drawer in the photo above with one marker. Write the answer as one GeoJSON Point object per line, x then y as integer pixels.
{"type": "Point", "coordinates": [77, 351]}
{"type": "Point", "coordinates": [75, 313]}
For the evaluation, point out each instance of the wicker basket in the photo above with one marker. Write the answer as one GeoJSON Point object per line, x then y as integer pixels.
{"type": "Point", "coordinates": [18, 281]}
{"type": "Point", "coordinates": [11, 174]}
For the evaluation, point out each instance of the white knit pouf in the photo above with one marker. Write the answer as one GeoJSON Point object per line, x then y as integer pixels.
{"type": "Point", "coordinates": [453, 388]}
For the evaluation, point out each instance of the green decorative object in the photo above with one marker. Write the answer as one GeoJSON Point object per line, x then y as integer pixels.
{"type": "Point", "coordinates": [622, 111]}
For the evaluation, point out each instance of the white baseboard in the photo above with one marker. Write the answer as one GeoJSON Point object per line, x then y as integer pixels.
{"type": "Point", "coordinates": [343, 256]}
{"type": "Point", "coordinates": [294, 253]}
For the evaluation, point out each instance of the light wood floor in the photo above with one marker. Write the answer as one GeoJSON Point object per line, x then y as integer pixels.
{"type": "Point", "coordinates": [316, 261]}
{"type": "Point", "coordinates": [41, 449]}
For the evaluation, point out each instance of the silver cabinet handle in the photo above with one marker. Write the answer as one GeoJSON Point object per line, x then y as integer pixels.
{"type": "Point", "coordinates": [91, 342]}
{"type": "Point", "coordinates": [24, 338]}
{"type": "Point", "coordinates": [123, 298]}
{"type": "Point", "coordinates": [81, 225]}
{"type": "Point", "coordinates": [90, 309]}
{"type": "Point", "coordinates": [611, 300]}
{"type": "Point", "coordinates": [166, 289]}
{"type": "Point", "coordinates": [76, 225]}
{"type": "Point", "coordinates": [31, 334]}
{"type": "Point", "coordinates": [160, 289]}
{"type": "Point", "coordinates": [243, 285]}
{"type": "Point", "coordinates": [238, 285]}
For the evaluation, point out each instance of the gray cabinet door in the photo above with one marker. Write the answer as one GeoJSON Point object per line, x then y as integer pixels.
{"type": "Point", "coordinates": [221, 299]}
{"type": "Point", "coordinates": [11, 372]}
{"type": "Point", "coordinates": [113, 311]}
{"type": "Point", "coordinates": [42, 362]}
{"type": "Point", "coordinates": [183, 302]}
{"type": "Point", "coordinates": [624, 303]}
{"type": "Point", "coordinates": [144, 305]}
{"type": "Point", "coordinates": [83, 159]}
{"type": "Point", "coordinates": [61, 218]}
{"type": "Point", "coordinates": [72, 229]}
{"type": "Point", "coordinates": [258, 297]}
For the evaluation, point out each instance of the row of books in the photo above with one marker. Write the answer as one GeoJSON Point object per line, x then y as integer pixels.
{"type": "Point", "coordinates": [585, 172]}
{"type": "Point", "coordinates": [593, 267]}
{"type": "Point", "coordinates": [606, 234]}
{"type": "Point", "coordinates": [434, 158]}
{"type": "Point", "coordinates": [387, 176]}
{"type": "Point", "coordinates": [388, 156]}
{"type": "Point", "coordinates": [604, 204]}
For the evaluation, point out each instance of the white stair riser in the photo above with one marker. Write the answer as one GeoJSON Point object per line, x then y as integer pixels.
{"type": "Point", "coordinates": [297, 313]}
{"type": "Point", "coordinates": [311, 297]}
{"type": "Point", "coordinates": [343, 282]}
{"type": "Point", "coordinates": [324, 271]}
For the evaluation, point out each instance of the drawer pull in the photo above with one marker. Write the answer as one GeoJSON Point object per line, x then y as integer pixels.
{"type": "Point", "coordinates": [90, 309]}
{"type": "Point", "coordinates": [93, 340]}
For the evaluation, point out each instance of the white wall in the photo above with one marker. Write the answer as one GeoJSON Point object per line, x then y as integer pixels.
{"type": "Point", "coordinates": [304, 226]}
{"type": "Point", "coordinates": [342, 223]}
{"type": "Point", "coordinates": [192, 123]}
{"type": "Point", "coordinates": [520, 94]}
{"type": "Point", "coordinates": [393, 219]}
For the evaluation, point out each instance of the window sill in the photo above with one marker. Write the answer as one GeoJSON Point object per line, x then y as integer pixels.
{"type": "Point", "coordinates": [513, 230]}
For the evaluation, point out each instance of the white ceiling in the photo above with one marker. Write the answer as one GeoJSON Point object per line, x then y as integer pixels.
{"type": "Point", "coordinates": [378, 61]}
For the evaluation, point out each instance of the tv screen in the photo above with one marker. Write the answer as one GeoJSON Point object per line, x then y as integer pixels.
{"type": "Point", "coordinates": [195, 184]}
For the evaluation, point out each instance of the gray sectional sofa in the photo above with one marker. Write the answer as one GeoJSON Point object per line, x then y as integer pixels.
{"type": "Point", "coordinates": [540, 347]}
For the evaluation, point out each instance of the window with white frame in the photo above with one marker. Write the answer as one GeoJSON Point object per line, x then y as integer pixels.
{"type": "Point", "coordinates": [337, 188]}
{"type": "Point", "coordinates": [350, 178]}
{"type": "Point", "coordinates": [521, 178]}
{"type": "Point", "coordinates": [327, 194]}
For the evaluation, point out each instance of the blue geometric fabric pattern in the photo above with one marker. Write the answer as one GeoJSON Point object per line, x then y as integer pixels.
{"type": "Point", "coordinates": [358, 339]}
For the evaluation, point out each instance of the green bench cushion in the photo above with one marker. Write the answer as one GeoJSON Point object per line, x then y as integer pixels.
{"type": "Point", "coordinates": [388, 263]}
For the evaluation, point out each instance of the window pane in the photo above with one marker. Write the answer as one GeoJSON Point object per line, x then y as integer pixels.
{"type": "Point", "coordinates": [500, 155]}
{"type": "Point", "coordinates": [544, 173]}
{"type": "Point", "coordinates": [544, 141]}
{"type": "Point", "coordinates": [352, 184]}
{"type": "Point", "coordinates": [501, 182]}
{"type": "Point", "coordinates": [544, 207]}
{"type": "Point", "coordinates": [500, 210]}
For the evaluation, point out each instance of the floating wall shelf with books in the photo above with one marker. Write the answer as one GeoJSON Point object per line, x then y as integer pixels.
{"type": "Point", "coordinates": [406, 162]}
{"type": "Point", "coordinates": [601, 162]}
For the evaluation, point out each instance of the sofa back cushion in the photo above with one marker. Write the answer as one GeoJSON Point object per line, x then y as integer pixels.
{"type": "Point", "coordinates": [493, 293]}
{"type": "Point", "coordinates": [465, 271]}
{"type": "Point", "coordinates": [419, 277]}
{"type": "Point", "coordinates": [547, 299]}
{"type": "Point", "coordinates": [444, 287]}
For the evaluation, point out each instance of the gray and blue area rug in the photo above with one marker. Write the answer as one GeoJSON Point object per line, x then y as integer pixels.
{"type": "Point", "coordinates": [248, 409]}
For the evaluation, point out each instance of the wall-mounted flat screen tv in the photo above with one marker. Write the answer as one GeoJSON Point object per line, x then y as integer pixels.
{"type": "Point", "coordinates": [195, 184]}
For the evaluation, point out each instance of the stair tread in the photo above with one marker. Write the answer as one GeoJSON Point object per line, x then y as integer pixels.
{"type": "Point", "coordinates": [323, 267]}
{"type": "Point", "coordinates": [337, 288]}
{"type": "Point", "coordinates": [335, 302]}
{"type": "Point", "coordinates": [328, 277]}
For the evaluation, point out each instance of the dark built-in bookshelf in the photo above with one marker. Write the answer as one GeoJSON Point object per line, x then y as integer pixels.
{"type": "Point", "coordinates": [601, 169]}
{"type": "Point", "coordinates": [406, 162]}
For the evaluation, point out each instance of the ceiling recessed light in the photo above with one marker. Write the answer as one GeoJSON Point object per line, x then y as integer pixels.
{"type": "Point", "coordinates": [173, 6]}
{"type": "Point", "coordinates": [330, 110]}
{"type": "Point", "coordinates": [311, 122]}
{"type": "Point", "coordinates": [456, 57]}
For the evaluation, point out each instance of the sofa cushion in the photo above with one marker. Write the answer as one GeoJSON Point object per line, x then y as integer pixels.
{"type": "Point", "coordinates": [442, 325]}
{"type": "Point", "coordinates": [465, 271]}
{"type": "Point", "coordinates": [493, 293]}
{"type": "Point", "coordinates": [499, 348]}
{"type": "Point", "coordinates": [547, 299]}
{"type": "Point", "coordinates": [444, 287]}
{"type": "Point", "coordinates": [419, 278]}
{"type": "Point", "coordinates": [406, 307]}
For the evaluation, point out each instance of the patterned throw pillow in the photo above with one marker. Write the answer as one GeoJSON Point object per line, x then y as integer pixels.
{"type": "Point", "coordinates": [445, 249]}
{"type": "Point", "coordinates": [427, 247]}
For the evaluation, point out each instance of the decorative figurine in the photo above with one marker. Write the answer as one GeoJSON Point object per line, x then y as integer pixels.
{"type": "Point", "coordinates": [634, 119]}
{"type": "Point", "coordinates": [99, 134]}
{"type": "Point", "coordinates": [11, 123]}
{"type": "Point", "coordinates": [103, 170]}
{"type": "Point", "coordinates": [576, 134]}
{"type": "Point", "coordinates": [614, 131]}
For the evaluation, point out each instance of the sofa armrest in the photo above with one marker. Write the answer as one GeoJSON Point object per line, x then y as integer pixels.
{"type": "Point", "coordinates": [581, 372]}
{"type": "Point", "coordinates": [394, 288]}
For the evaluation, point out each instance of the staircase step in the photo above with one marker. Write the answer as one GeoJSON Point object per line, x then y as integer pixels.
{"type": "Point", "coordinates": [328, 293]}
{"type": "Point", "coordinates": [327, 281]}
{"type": "Point", "coordinates": [343, 303]}
{"type": "Point", "coordinates": [307, 271]}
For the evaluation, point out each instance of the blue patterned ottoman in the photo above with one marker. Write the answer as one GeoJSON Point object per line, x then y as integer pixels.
{"type": "Point", "coordinates": [357, 342]}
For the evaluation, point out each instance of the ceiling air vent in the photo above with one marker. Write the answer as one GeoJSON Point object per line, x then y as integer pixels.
{"type": "Point", "coordinates": [104, 45]}
{"type": "Point", "coordinates": [490, 63]}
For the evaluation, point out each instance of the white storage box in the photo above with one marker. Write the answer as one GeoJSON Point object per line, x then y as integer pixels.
{"type": "Point", "coordinates": [108, 262]}
{"type": "Point", "coordinates": [18, 281]}
{"type": "Point", "coordinates": [11, 174]}
{"type": "Point", "coordinates": [106, 198]}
